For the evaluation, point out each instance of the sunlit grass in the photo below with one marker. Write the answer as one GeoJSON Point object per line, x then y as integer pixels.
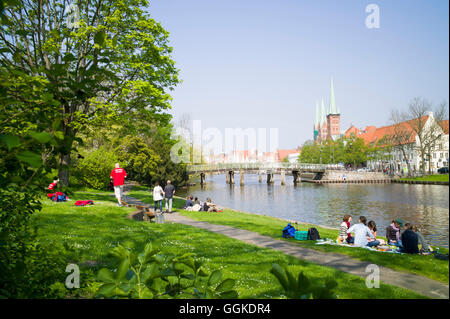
{"type": "Point", "coordinates": [427, 266]}
{"type": "Point", "coordinates": [93, 230]}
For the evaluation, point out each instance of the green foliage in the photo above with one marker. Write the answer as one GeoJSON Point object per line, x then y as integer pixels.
{"type": "Point", "coordinates": [151, 274]}
{"type": "Point", "coordinates": [139, 160]}
{"type": "Point", "coordinates": [116, 62]}
{"type": "Point", "coordinates": [95, 168]}
{"type": "Point", "coordinates": [348, 150]}
{"type": "Point", "coordinates": [302, 287]}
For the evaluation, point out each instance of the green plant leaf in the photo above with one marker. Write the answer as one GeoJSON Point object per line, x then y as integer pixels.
{"type": "Point", "coordinates": [42, 137]}
{"type": "Point", "coordinates": [226, 285]}
{"type": "Point", "coordinates": [107, 290]}
{"type": "Point", "coordinates": [231, 294]}
{"type": "Point", "coordinates": [278, 272]}
{"type": "Point", "coordinates": [215, 277]}
{"type": "Point", "coordinates": [105, 275]}
{"type": "Point", "coordinates": [123, 269]}
{"type": "Point", "coordinates": [31, 158]}
{"type": "Point", "coordinates": [11, 141]}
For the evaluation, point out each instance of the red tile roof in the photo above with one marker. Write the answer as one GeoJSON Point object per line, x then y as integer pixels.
{"type": "Point", "coordinates": [444, 125]}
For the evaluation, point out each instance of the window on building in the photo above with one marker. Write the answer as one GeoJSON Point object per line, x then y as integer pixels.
{"type": "Point", "coordinates": [441, 155]}
{"type": "Point", "coordinates": [434, 155]}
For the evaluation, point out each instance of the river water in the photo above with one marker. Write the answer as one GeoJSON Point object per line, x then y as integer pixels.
{"type": "Point", "coordinates": [426, 206]}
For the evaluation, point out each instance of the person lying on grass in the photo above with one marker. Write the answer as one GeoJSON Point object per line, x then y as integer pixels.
{"type": "Point", "coordinates": [361, 232]}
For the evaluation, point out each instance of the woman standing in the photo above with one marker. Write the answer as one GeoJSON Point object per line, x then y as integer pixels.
{"type": "Point", "coordinates": [158, 195]}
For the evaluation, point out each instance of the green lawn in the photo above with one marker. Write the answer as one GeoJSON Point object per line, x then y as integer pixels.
{"type": "Point", "coordinates": [430, 178]}
{"type": "Point", "coordinates": [93, 230]}
{"type": "Point", "coordinates": [427, 266]}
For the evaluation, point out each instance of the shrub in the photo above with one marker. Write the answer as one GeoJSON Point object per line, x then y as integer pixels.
{"type": "Point", "coordinates": [95, 168]}
{"type": "Point", "coordinates": [151, 274]}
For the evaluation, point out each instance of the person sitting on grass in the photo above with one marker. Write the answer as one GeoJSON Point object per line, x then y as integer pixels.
{"type": "Point", "coordinates": [373, 228]}
{"type": "Point", "coordinates": [209, 206]}
{"type": "Point", "coordinates": [189, 202]}
{"type": "Point", "coordinates": [393, 233]}
{"type": "Point", "coordinates": [424, 248]}
{"type": "Point", "coordinates": [361, 232]}
{"type": "Point", "coordinates": [345, 225]}
{"type": "Point", "coordinates": [410, 241]}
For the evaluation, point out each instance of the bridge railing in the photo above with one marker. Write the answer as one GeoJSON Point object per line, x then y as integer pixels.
{"type": "Point", "coordinates": [259, 166]}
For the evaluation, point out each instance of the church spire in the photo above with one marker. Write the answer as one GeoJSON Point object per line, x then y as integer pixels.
{"type": "Point", "coordinates": [323, 115]}
{"type": "Point", "coordinates": [333, 109]}
{"type": "Point", "coordinates": [317, 119]}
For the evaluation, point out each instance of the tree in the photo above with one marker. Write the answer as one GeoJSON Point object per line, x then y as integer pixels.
{"type": "Point", "coordinates": [114, 60]}
{"type": "Point", "coordinates": [355, 150]}
{"type": "Point", "coordinates": [401, 136]}
{"type": "Point", "coordinates": [426, 126]}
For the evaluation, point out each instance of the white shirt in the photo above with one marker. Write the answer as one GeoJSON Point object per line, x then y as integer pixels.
{"type": "Point", "coordinates": [361, 232]}
{"type": "Point", "coordinates": [157, 193]}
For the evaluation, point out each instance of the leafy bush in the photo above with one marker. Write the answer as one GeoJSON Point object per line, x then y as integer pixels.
{"type": "Point", "coordinates": [150, 274]}
{"type": "Point", "coordinates": [303, 287]}
{"type": "Point", "coordinates": [95, 168]}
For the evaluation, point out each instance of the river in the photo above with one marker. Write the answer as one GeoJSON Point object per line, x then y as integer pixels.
{"type": "Point", "coordinates": [426, 206]}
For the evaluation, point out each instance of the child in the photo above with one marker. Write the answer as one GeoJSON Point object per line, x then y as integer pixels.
{"type": "Point", "coordinates": [343, 236]}
{"type": "Point", "coordinates": [361, 232]}
{"type": "Point", "coordinates": [374, 241]}
{"type": "Point", "coordinates": [393, 232]}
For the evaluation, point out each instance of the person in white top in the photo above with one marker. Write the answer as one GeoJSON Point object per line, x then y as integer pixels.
{"type": "Point", "coordinates": [361, 232]}
{"type": "Point", "coordinates": [158, 195]}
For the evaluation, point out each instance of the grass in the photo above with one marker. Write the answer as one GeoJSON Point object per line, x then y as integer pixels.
{"type": "Point", "coordinates": [429, 178]}
{"type": "Point", "coordinates": [94, 230]}
{"type": "Point", "coordinates": [427, 266]}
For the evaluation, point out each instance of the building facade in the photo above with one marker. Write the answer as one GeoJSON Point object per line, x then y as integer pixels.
{"type": "Point", "coordinates": [407, 153]}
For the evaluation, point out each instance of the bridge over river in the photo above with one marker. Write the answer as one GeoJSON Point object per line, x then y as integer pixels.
{"type": "Point", "coordinates": [269, 169]}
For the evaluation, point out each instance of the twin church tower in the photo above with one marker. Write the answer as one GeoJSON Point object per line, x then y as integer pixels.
{"type": "Point", "coordinates": [327, 125]}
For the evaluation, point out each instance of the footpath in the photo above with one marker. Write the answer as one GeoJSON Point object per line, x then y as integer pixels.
{"type": "Point", "coordinates": [422, 285]}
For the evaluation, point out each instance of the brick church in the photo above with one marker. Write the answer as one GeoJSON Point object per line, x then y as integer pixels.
{"type": "Point", "coordinates": [327, 124]}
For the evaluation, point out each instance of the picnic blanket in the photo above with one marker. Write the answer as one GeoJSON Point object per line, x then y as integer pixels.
{"type": "Point", "coordinates": [381, 248]}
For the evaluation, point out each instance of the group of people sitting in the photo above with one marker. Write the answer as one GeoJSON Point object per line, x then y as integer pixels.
{"type": "Point", "coordinates": [365, 234]}
{"type": "Point", "coordinates": [195, 205]}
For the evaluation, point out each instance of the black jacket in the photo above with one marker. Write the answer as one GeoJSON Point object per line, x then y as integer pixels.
{"type": "Point", "coordinates": [410, 242]}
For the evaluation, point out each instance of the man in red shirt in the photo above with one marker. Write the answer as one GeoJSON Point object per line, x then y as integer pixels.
{"type": "Point", "coordinates": [52, 185]}
{"type": "Point", "coordinates": [118, 175]}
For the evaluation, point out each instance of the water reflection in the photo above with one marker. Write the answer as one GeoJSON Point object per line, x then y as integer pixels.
{"type": "Point", "coordinates": [426, 206]}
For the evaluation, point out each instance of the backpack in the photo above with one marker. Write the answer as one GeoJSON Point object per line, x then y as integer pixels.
{"type": "Point", "coordinates": [313, 234]}
{"type": "Point", "coordinates": [288, 231]}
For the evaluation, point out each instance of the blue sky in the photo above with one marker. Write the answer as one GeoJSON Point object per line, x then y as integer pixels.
{"type": "Point", "coordinates": [262, 64]}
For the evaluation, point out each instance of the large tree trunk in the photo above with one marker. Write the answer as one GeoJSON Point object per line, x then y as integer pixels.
{"type": "Point", "coordinates": [63, 169]}
{"type": "Point", "coordinates": [64, 156]}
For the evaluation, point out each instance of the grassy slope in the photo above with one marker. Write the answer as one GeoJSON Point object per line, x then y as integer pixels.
{"type": "Point", "coordinates": [431, 178]}
{"type": "Point", "coordinates": [418, 264]}
{"type": "Point", "coordinates": [93, 230]}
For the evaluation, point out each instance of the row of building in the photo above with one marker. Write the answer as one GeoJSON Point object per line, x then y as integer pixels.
{"type": "Point", "coordinates": [327, 126]}
{"type": "Point", "coordinates": [246, 156]}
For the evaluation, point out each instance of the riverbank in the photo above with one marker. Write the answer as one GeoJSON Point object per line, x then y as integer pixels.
{"type": "Point", "coordinates": [422, 265]}
{"type": "Point", "coordinates": [92, 231]}
{"type": "Point", "coordinates": [442, 179]}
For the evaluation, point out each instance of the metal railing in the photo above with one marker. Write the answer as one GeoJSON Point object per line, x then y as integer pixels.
{"type": "Point", "coordinates": [260, 166]}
